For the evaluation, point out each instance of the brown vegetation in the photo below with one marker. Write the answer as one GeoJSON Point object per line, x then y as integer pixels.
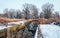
{"type": "Point", "coordinates": [43, 21]}
{"type": "Point", "coordinates": [47, 21]}
{"type": "Point", "coordinates": [6, 20]}
{"type": "Point", "coordinates": [53, 19]}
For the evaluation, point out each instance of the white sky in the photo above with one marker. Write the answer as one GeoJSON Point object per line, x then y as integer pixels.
{"type": "Point", "coordinates": [18, 4]}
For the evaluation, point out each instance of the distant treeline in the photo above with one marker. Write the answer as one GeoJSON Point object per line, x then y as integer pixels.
{"type": "Point", "coordinates": [31, 11]}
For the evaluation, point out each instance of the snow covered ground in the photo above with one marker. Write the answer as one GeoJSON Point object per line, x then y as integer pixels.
{"type": "Point", "coordinates": [49, 31]}
{"type": "Point", "coordinates": [10, 24]}
{"type": "Point", "coordinates": [3, 27]}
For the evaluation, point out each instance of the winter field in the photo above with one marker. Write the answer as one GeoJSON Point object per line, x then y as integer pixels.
{"type": "Point", "coordinates": [49, 31]}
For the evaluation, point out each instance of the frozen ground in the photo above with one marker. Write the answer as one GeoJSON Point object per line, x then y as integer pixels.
{"type": "Point", "coordinates": [3, 27]}
{"type": "Point", "coordinates": [10, 24]}
{"type": "Point", "coordinates": [49, 31]}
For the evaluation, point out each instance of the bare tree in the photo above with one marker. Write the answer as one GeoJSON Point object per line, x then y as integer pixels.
{"type": "Point", "coordinates": [57, 14]}
{"type": "Point", "coordinates": [6, 12]}
{"type": "Point", "coordinates": [26, 11]}
{"type": "Point", "coordinates": [41, 15]}
{"type": "Point", "coordinates": [30, 11]}
{"type": "Point", "coordinates": [12, 13]}
{"type": "Point", "coordinates": [47, 9]}
{"type": "Point", "coordinates": [18, 14]}
{"type": "Point", "coordinates": [34, 11]}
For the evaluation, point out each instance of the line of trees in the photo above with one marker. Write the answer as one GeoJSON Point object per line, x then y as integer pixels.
{"type": "Point", "coordinates": [48, 11]}
{"type": "Point", "coordinates": [31, 11]}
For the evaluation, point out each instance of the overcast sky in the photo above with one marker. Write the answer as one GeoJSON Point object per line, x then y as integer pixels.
{"type": "Point", "coordinates": [17, 4]}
